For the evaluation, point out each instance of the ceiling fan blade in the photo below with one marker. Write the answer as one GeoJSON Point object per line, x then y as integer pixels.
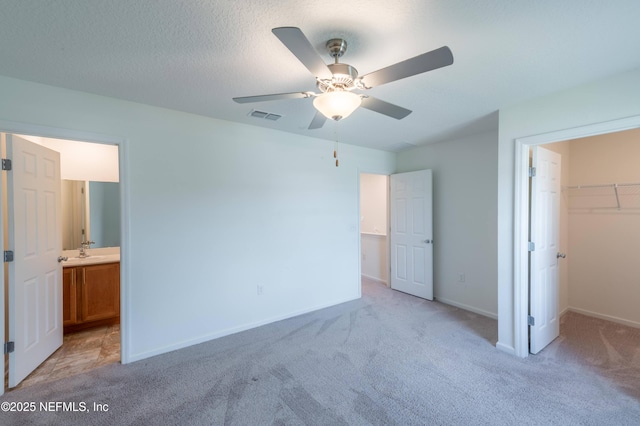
{"type": "Point", "coordinates": [385, 108]}
{"type": "Point", "coordinates": [300, 46]}
{"type": "Point", "coordinates": [273, 97]}
{"type": "Point", "coordinates": [417, 65]}
{"type": "Point", "coordinates": [318, 121]}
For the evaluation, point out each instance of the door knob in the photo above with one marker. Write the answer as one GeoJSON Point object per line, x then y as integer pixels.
{"type": "Point", "coordinates": [62, 258]}
{"type": "Point", "coordinates": [428, 241]}
{"type": "Point", "coordinates": [560, 255]}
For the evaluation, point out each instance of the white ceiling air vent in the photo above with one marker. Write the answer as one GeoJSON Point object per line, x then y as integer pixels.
{"type": "Point", "coordinates": [264, 115]}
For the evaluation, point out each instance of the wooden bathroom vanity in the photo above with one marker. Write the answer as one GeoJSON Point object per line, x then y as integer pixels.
{"type": "Point", "coordinates": [91, 295]}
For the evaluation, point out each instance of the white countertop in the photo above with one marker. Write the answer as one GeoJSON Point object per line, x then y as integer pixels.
{"type": "Point", "coordinates": [96, 256]}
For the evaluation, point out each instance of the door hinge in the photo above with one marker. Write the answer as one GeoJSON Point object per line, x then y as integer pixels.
{"type": "Point", "coordinates": [6, 164]}
{"type": "Point", "coordinates": [9, 347]}
{"type": "Point", "coordinates": [531, 320]}
{"type": "Point", "coordinates": [532, 171]}
{"type": "Point", "coordinates": [8, 256]}
{"type": "Point", "coordinates": [531, 246]}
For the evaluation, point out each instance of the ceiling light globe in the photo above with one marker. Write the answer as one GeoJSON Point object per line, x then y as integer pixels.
{"type": "Point", "coordinates": [337, 105]}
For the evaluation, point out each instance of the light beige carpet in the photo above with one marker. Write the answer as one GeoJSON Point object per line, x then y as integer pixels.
{"type": "Point", "coordinates": [386, 359]}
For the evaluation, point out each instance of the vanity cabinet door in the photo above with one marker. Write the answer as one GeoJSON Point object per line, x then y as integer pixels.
{"type": "Point", "coordinates": [100, 292]}
{"type": "Point", "coordinates": [69, 301]}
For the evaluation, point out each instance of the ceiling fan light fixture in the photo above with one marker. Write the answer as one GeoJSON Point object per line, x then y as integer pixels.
{"type": "Point", "coordinates": [336, 81]}
{"type": "Point", "coordinates": [337, 105]}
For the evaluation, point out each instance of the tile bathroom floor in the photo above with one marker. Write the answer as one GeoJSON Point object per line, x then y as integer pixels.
{"type": "Point", "coordinates": [80, 352]}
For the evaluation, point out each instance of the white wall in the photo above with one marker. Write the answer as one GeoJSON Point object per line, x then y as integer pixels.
{"type": "Point", "coordinates": [373, 203]}
{"type": "Point", "coordinates": [82, 160]}
{"type": "Point", "coordinates": [608, 99]}
{"type": "Point", "coordinates": [373, 249]}
{"type": "Point", "coordinates": [603, 254]}
{"type": "Point", "coordinates": [373, 226]}
{"type": "Point", "coordinates": [214, 209]}
{"type": "Point", "coordinates": [464, 218]}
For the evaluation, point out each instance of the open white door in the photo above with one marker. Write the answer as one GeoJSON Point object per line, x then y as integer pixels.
{"type": "Point", "coordinates": [545, 235]}
{"type": "Point", "coordinates": [412, 233]}
{"type": "Point", "coordinates": [35, 237]}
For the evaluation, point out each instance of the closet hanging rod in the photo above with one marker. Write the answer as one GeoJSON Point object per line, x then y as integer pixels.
{"type": "Point", "coordinates": [617, 196]}
{"type": "Point", "coordinates": [608, 185]}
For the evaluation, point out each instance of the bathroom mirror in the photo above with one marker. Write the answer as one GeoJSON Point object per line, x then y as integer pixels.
{"type": "Point", "coordinates": [90, 212]}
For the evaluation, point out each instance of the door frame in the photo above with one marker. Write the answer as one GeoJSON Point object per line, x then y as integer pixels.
{"type": "Point", "coordinates": [521, 215]}
{"type": "Point", "coordinates": [123, 155]}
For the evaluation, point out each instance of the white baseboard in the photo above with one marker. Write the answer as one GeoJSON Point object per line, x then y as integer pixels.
{"type": "Point", "coordinates": [380, 280]}
{"type": "Point", "coordinates": [605, 317]}
{"type": "Point", "coordinates": [467, 308]}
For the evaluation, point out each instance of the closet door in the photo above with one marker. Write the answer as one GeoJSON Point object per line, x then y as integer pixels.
{"type": "Point", "coordinates": [545, 235]}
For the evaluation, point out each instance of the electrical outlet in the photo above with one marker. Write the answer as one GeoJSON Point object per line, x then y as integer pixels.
{"type": "Point", "coordinates": [461, 277]}
{"type": "Point", "coordinates": [260, 290]}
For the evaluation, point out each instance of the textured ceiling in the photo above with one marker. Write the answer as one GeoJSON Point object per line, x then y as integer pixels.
{"type": "Point", "coordinates": [195, 55]}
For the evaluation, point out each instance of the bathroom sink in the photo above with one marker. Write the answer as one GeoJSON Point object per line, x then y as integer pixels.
{"type": "Point", "coordinates": [91, 259]}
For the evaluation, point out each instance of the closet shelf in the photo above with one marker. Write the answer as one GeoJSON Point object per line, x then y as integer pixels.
{"type": "Point", "coordinates": [613, 196]}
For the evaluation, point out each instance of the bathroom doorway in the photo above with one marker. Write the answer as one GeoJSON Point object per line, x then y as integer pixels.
{"type": "Point", "coordinates": [96, 344]}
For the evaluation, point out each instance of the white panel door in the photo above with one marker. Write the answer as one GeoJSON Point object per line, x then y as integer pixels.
{"type": "Point", "coordinates": [545, 234]}
{"type": "Point", "coordinates": [35, 236]}
{"type": "Point", "coordinates": [412, 233]}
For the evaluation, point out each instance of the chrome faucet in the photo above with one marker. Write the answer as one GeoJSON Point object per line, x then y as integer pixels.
{"type": "Point", "coordinates": [85, 245]}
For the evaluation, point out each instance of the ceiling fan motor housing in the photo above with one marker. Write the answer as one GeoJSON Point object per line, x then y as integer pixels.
{"type": "Point", "coordinates": [344, 78]}
{"type": "Point", "coordinates": [344, 75]}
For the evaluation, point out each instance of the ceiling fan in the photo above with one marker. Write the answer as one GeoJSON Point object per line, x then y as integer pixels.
{"type": "Point", "coordinates": [338, 81]}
